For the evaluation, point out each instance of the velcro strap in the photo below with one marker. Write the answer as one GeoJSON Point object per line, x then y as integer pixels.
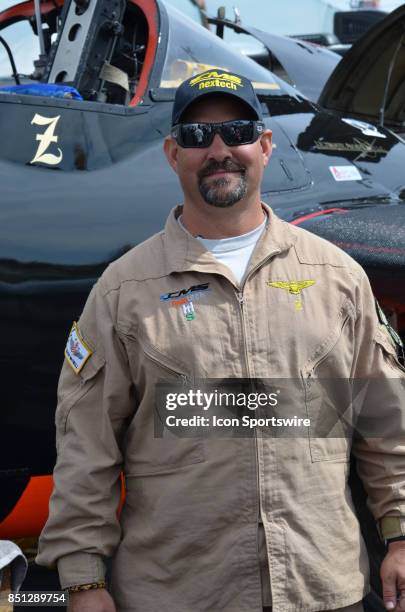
{"type": "Point", "coordinates": [115, 75]}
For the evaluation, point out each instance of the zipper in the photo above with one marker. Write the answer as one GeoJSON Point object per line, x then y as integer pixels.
{"type": "Point", "coordinates": [259, 265]}
{"type": "Point", "coordinates": [240, 298]}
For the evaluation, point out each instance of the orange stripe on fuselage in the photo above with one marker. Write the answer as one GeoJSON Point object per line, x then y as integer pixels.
{"type": "Point", "coordinates": [149, 9]}
{"type": "Point", "coordinates": [31, 511]}
{"type": "Point", "coordinates": [29, 515]}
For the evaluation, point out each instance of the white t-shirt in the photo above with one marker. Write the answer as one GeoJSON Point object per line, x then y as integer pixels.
{"type": "Point", "coordinates": [234, 252]}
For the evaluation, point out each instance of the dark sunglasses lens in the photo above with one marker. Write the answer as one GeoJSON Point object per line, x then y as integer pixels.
{"type": "Point", "coordinates": [238, 132]}
{"type": "Point", "coordinates": [195, 135]}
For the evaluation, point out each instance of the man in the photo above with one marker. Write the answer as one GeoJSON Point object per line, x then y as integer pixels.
{"type": "Point", "coordinates": [227, 290]}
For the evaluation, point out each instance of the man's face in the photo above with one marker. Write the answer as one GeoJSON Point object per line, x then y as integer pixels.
{"type": "Point", "coordinates": [220, 175]}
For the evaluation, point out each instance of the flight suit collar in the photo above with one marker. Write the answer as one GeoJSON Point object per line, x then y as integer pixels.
{"type": "Point", "coordinates": [185, 253]}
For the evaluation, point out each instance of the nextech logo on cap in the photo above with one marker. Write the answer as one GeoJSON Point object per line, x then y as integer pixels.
{"type": "Point", "coordinates": [215, 81]}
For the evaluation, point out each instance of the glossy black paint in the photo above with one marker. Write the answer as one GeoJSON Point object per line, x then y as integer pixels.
{"type": "Point", "coordinates": [370, 76]}
{"type": "Point", "coordinates": [307, 65]}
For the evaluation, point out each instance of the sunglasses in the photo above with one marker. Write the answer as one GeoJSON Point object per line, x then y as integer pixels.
{"type": "Point", "coordinates": [233, 133]}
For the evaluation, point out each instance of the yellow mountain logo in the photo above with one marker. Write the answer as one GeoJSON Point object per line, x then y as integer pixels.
{"type": "Point", "coordinates": [214, 78]}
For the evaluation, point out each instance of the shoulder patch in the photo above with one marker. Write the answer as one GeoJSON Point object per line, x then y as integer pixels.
{"type": "Point", "coordinates": [76, 352]}
{"type": "Point", "coordinates": [394, 337]}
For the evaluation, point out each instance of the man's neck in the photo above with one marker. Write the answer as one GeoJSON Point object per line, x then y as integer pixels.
{"type": "Point", "coordinates": [217, 223]}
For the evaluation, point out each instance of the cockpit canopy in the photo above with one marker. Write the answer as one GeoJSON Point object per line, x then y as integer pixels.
{"type": "Point", "coordinates": [119, 51]}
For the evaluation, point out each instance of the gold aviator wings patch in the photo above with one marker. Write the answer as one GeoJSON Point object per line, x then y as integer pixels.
{"type": "Point", "coordinates": [293, 287]}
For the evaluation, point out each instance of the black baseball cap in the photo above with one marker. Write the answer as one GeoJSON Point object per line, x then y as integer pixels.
{"type": "Point", "coordinates": [215, 81]}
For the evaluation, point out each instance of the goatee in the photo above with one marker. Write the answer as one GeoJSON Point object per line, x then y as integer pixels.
{"type": "Point", "coordinates": [218, 192]}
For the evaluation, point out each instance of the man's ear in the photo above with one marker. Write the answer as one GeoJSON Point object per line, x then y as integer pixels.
{"type": "Point", "coordinates": [266, 144]}
{"type": "Point", "coordinates": [170, 148]}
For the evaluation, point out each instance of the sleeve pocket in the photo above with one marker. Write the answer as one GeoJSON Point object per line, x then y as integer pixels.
{"type": "Point", "coordinates": [389, 351]}
{"type": "Point", "coordinates": [73, 387]}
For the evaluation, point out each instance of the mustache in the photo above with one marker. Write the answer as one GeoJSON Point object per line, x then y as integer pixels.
{"type": "Point", "coordinates": [227, 166]}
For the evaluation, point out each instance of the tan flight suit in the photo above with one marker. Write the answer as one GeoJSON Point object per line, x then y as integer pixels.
{"type": "Point", "coordinates": [187, 538]}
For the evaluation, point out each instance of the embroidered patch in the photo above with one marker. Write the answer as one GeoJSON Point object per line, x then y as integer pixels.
{"type": "Point", "coordinates": [192, 291]}
{"type": "Point", "coordinates": [179, 302]}
{"type": "Point", "coordinates": [196, 295]}
{"type": "Point", "coordinates": [394, 336]}
{"type": "Point", "coordinates": [188, 310]}
{"type": "Point", "coordinates": [293, 287]}
{"type": "Point", "coordinates": [76, 352]}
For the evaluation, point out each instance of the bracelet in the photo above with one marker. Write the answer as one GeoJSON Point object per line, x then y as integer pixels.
{"type": "Point", "coordinates": [87, 587]}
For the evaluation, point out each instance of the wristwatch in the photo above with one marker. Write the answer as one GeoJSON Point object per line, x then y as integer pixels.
{"type": "Point", "coordinates": [392, 529]}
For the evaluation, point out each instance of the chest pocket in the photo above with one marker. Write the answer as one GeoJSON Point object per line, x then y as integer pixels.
{"type": "Point", "coordinates": [157, 445]}
{"type": "Point", "coordinates": [328, 391]}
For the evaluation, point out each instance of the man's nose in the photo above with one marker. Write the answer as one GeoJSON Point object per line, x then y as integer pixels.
{"type": "Point", "coordinates": [218, 149]}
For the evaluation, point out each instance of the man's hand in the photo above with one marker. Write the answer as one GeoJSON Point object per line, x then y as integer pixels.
{"type": "Point", "coordinates": [95, 600]}
{"type": "Point", "coordinates": [393, 577]}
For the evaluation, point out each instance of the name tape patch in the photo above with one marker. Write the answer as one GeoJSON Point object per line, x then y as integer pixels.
{"type": "Point", "coordinates": [76, 352]}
